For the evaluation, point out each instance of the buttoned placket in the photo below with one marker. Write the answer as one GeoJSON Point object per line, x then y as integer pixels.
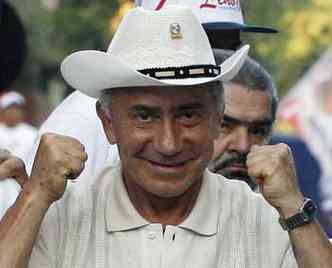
{"type": "Point", "coordinates": [158, 245]}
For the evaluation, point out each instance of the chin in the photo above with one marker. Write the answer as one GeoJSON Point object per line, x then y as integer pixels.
{"type": "Point", "coordinates": [168, 189]}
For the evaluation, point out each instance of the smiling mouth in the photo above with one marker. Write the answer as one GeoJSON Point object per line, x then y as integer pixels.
{"type": "Point", "coordinates": [168, 166]}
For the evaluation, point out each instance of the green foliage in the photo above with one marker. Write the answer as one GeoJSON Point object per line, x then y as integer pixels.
{"type": "Point", "coordinates": [74, 25]}
{"type": "Point", "coordinates": [305, 32]}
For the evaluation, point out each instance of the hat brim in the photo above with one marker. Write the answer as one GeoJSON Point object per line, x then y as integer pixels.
{"type": "Point", "coordinates": [219, 26]}
{"type": "Point", "coordinates": [92, 71]}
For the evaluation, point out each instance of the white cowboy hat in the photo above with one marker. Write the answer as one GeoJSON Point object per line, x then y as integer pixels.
{"type": "Point", "coordinates": [215, 15]}
{"type": "Point", "coordinates": [151, 48]}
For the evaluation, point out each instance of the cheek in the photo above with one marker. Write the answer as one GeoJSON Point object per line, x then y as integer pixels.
{"type": "Point", "coordinates": [219, 146]}
{"type": "Point", "coordinates": [133, 140]}
{"type": "Point", "coordinates": [202, 139]}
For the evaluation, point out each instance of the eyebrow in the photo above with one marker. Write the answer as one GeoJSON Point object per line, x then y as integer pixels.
{"type": "Point", "coordinates": [192, 106]}
{"type": "Point", "coordinates": [156, 110]}
{"type": "Point", "coordinates": [263, 122]}
{"type": "Point", "coordinates": [144, 108]}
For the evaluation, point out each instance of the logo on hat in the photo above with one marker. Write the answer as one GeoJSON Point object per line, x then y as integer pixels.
{"type": "Point", "coordinates": [175, 30]}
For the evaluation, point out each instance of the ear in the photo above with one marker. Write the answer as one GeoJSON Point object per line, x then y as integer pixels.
{"type": "Point", "coordinates": [105, 117]}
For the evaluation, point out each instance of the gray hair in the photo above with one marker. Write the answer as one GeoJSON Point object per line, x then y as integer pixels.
{"type": "Point", "coordinates": [215, 88]}
{"type": "Point", "coordinates": [253, 76]}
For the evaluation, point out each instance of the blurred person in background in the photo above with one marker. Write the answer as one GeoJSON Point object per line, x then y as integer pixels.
{"type": "Point", "coordinates": [250, 108]}
{"type": "Point", "coordinates": [13, 50]}
{"type": "Point", "coordinates": [319, 127]}
{"type": "Point", "coordinates": [16, 135]}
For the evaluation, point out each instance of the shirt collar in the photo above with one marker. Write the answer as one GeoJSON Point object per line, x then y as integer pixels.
{"type": "Point", "coordinates": [121, 215]}
{"type": "Point", "coordinates": [204, 217]}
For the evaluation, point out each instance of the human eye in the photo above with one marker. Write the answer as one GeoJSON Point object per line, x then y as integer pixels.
{"type": "Point", "coordinates": [190, 117]}
{"type": "Point", "coordinates": [143, 116]}
{"type": "Point", "coordinates": [261, 131]}
{"type": "Point", "coordinates": [225, 125]}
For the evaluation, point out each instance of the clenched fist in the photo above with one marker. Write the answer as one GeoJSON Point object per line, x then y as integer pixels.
{"type": "Point", "coordinates": [12, 167]}
{"type": "Point", "coordinates": [272, 166]}
{"type": "Point", "coordinates": [58, 159]}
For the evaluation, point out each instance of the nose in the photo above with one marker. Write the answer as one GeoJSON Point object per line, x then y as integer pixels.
{"type": "Point", "coordinates": [240, 141]}
{"type": "Point", "coordinates": [168, 141]}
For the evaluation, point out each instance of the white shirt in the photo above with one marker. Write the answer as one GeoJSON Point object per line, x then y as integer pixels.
{"type": "Point", "coordinates": [229, 226]}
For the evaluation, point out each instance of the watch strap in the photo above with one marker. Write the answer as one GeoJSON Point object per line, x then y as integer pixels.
{"type": "Point", "coordinates": [299, 219]}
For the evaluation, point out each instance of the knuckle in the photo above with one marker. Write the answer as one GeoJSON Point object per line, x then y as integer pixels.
{"type": "Point", "coordinates": [84, 156]}
{"type": "Point", "coordinates": [4, 155]}
{"type": "Point", "coordinates": [18, 163]}
{"type": "Point", "coordinates": [47, 140]}
{"type": "Point", "coordinates": [283, 148]}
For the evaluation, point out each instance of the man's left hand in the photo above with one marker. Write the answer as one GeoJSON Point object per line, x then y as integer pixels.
{"type": "Point", "coordinates": [273, 168]}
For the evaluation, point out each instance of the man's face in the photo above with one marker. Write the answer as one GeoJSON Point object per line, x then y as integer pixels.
{"type": "Point", "coordinates": [164, 135]}
{"type": "Point", "coordinates": [247, 121]}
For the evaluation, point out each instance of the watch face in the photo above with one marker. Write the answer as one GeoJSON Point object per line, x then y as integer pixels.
{"type": "Point", "coordinates": [309, 208]}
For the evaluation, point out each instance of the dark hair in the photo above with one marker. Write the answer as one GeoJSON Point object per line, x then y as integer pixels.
{"type": "Point", "coordinates": [13, 47]}
{"type": "Point", "coordinates": [253, 76]}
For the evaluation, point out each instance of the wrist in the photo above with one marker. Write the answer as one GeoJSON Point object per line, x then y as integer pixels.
{"type": "Point", "coordinates": [35, 194]}
{"type": "Point", "coordinates": [291, 207]}
{"type": "Point", "coordinates": [304, 215]}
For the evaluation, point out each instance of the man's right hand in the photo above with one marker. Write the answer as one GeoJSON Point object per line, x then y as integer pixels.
{"type": "Point", "coordinates": [58, 159]}
{"type": "Point", "coordinates": [12, 167]}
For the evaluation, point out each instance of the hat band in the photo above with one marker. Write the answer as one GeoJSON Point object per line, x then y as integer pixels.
{"type": "Point", "coordinates": [192, 71]}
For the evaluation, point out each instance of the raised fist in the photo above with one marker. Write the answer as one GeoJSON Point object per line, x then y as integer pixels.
{"type": "Point", "coordinates": [58, 159]}
{"type": "Point", "coordinates": [12, 167]}
{"type": "Point", "coordinates": [273, 169]}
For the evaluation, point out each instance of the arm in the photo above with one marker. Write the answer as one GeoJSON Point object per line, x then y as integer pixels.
{"type": "Point", "coordinates": [19, 228]}
{"type": "Point", "coordinates": [273, 168]}
{"type": "Point", "coordinates": [58, 158]}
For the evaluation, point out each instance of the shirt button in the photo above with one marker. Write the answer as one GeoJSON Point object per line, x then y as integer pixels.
{"type": "Point", "coordinates": [151, 235]}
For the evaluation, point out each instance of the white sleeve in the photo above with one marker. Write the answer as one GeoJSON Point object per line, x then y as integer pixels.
{"type": "Point", "coordinates": [289, 260]}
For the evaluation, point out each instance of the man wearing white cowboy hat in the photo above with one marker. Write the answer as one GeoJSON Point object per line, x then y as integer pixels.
{"type": "Point", "coordinates": [160, 207]}
{"type": "Point", "coordinates": [223, 25]}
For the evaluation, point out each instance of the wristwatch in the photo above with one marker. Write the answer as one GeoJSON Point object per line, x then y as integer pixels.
{"type": "Point", "coordinates": [305, 215]}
